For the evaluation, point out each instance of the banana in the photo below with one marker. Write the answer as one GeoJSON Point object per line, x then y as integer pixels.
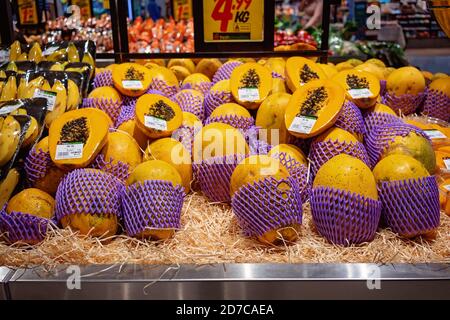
{"type": "Point", "coordinates": [58, 55]}
{"type": "Point", "coordinates": [45, 85]}
{"type": "Point", "coordinates": [11, 67]}
{"type": "Point", "coordinates": [32, 133]}
{"type": "Point", "coordinates": [8, 185]}
{"type": "Point", "coordinates": [60, 105]}
{"type": "Point", "coordinates": [57, 67]}
{"type": "Point", "coordinates": [15, 51]}
{"type": "Point", "coordinates": [87, 58]}
{"type": "Point", "coordinates": [2, 74]}
{"type": "Point", "coordinates": [31, 87]}
{"type": "Point", "coordinates": [72, 53]}
{"type": "Point", "coordinates": [2, 84]}
{"type": "Point", "coordinates": [9, 91]}
{"type": "Point", "coordinates": [22, 57]}
{"type": "Point", "coordinates": [9, 138]}
{"type": "Point", "coordinates": [73, 96]}
{"type": "Point", "coordinates": [35, 53]}
{"type": "Point", "coordinates": [22, 88]}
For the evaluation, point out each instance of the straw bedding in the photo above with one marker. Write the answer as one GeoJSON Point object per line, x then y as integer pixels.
{"type": "Point", "coordinates": [210, 235]}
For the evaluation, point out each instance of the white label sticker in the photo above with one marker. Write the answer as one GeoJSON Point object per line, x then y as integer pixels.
{"type": "Point", "coordinates": [447, 163]}
{"type": "Point", "coordinates": [10, 108]}
{"type": "Point", "coordinates": [49, 50]}
{"type": "Point", "coordinates": [132, 84]}
{"type": "Point", "coordinates": [69, 151]}
{"type": "Point", "coordinates": [49, 95]}
{"type": "Point", "coordinates": [447, 187]}
{"type": "Point", "coordinates": [155, 123]}
{"type": "Point", "coordinates": [248, 94]}
{"type": "Point", "coordinates": [360, 93]}
{"type": "Point", "coordinates": [303, 124]}
{"type": "Point", "coordinates": [435, 134]}
{"type": "Point", "coordinates": [4, 55]}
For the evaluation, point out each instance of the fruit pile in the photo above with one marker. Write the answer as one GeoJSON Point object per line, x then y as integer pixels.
{"type": "Point", "coordinates": [264, 136]}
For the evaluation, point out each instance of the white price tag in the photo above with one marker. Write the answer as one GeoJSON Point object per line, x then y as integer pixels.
{"type": "Point", "coordinates": [69, 151]}
{"type": "Point", "coordinates": [49, 51]}
{"type": "Point", "coordinates": [447, 163]}
{"type": "Point", "coordinates": [303, 124]}
{"type": "Point", "coordinates": [4, 55]}
{"type": "Point", "coordinates": [132, 84]}
{"type": "Point", "coordinates": [447, 187]}
{"type": "Point", "coordinates": [248, 94]}
{"type": "Point", "coordinates": [49, 95]}
{"type": "Point", "coordinates": [10, 108]}
{"type": "Point", "coordinates": [360, 93]}
{"type": "Point", "coordinates": [435, 134]}
{"type": "Point", "coordinates": [155, 123]}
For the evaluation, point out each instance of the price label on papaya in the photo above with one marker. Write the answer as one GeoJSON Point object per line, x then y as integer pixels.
{"type": "Point", "coordinates": [233, 20]}
{"type": "Point", "coordinates": [182, 9]}
{"type": "Point", "coordinates": [27, 12]}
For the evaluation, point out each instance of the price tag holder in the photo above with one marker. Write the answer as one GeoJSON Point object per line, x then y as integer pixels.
{"type": "Point", "coordinates": [49, 95]}
{"type": "Point", "coordinates": [248, 94]}
{"type": "Point", "coordinates": [155, 123]}
{"type": "Point", "coordinates": [360, 93]}
{"type": "Point", "coordinates": [69, 151]}
{"type": "Point", "coordinates": [447, 163]}
{"type": "Point", "coordinates": [49, 51]}
{"type": "Point", "coordinates": [447, 187]}
{"type": "Point", "coordinates": [132, 84]}
{"type": "Point", "coordinates": [435, 134]}
{"type": "Point", "coordinates": [7, 109]}
{"type": "Point", "coordinates": [303, 124]}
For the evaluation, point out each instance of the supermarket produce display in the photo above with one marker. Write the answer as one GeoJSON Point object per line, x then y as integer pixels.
{"type": "Point", "coordinates": [220, 161]}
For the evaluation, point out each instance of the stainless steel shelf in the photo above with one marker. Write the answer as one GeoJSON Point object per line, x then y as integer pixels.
{"type": "Point", "coordinates": [237, 281]}
{"type": "Point", "coordinates": [5, 275]}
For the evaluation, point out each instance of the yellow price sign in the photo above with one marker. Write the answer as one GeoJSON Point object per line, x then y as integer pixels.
{"type": "Point", "coordinates": [85, 8]}
{"type": "Point", "coordinates": [182, 9]}
{"type": "Point", "coordinates": [233, 20]}
{"type": "Point", "coordinates": [27, 12]}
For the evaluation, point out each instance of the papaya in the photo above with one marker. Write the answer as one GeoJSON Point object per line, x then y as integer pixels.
{"type": "Point", "coordinates": [300, 71]}
{"type": "Point", "coordinates": [131, 79]}
{"type": "Point", "coordinates": [155, 170]}
{"type": "Point", "coordinates": [278, 85]}
{"type": "Point", "coordinates": [442, 162]}
{"type": "Point", "coordinates": [174, 153]}
{"type": "Point", "coordinates": [250, 84]}
{"type": "Point", "coordinates": [405, 80]}
{"type": "Point", "coordinates": [77, 136]}
{"type": "Point", "coordinates": [230, 109]}
{"type": "Point", "coordinates": [338, 135]}
{"type": "Point", "coordinates": [180, 72]}
{"type": "Point", "coordinates": [329, 71]}
{"type": "Point", "coordinates": [185, 63]}
{"type": "Point", "coordinates": [121, 147]}
{"type": "Point", "coordinates": [195, 79]}
{"type": "Point", "coordinates": [130, 127]}
{"type": "Point", "coordinates": [319, 102]}
{"type": "Point", "coordinates": [382, 108]}
{"type": "Point", "coordinates": [427, 75]}
{"type": "Point", "coordinates": [376, 62]}
{"type": "Point", "coordinates": [161, 77]}
{"type": "Point", "coordinates": [277, 65]}
{"type": "Point", "coordinates": [34, 202]}
{"type": "Point", "coordinates": [208, 67]}
{"type": "Point", "coordinates": [190, 120]}
{"type": "Point", "coordinates": [106, 93]}
{"type": "Point", "coordinates": [444, 195]}
{"type": "Point", "coordinates": [355, 62]}
{"type": "Point", "coordinates": [441, 85]}
{"type": "Point", "coordinates": [344, 66]}
{"type": "Point", "coordinates": [372, 69]}
{"type": "Point", "coordinates": [347, 173]}
{"type": "Point", "coordinates": [362, 88]}
{"type": "Point", "coordinates": [291, 150]}
{"type": "Point", "coordinates": [270, 116]}
{"type": "Point", "coordinates": [398, 167]}
{"type": "Point", "coordinates": [439, 75]}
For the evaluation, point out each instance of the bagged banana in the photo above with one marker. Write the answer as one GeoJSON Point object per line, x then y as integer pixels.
{"type": "Point", "coordinates": [85, 69]}
{"type": "Point", "coordinates": [71, 51]}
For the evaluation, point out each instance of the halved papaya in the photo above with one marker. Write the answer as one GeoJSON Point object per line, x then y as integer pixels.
{"type": "Point", "coordinates": [300, 71]}
{"type": "Point", "coordinates": [314, 108]}
{"type": "Point", "coordinates": [362, 88]}
{"type": "Point", "coordinates": [157, 116]}
{"type": "Point", "coordinates": [131, 79]}
{"type": "Point", "coordinates": [77, 136]}
{"type": "Point", "coordinates": [250, 84]}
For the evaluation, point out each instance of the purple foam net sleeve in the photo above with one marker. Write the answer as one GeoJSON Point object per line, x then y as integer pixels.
{"type": "Point", "coordinates": [126, 113]}
{"type": "Point", "coordinates": [344, 218]}
{"type": "Point", "coordinates": [437, 105]}
{"type": "Point", "coordinates": [103, 79]}
{"type": "Point", "coordinates": [276, 75]}
{"type": "Point", "coordinates": [88, 191]}
{"type": "Point", "coordinates": [351, 119]}
{"type": "Point", "coordinates": [214, 99]}
{"type": "Point", "coordinates": [323, 151]}
{"type": "Point", "coordinates": [254, 141]}
{"type": "Point", "coordinates": [410, 207]}
{"type": "Point", "coordinates": [382, 88]}
{"type": "Point", "coordinates": [120, 169]}
{"type": "Point", "coordinates": [110, 107]}
{"type": "Point", "coordinates": [166, 90]}
{"type": "Point", "coordinates": [225, 71]}
{"type": "Point", "coordinates": [203, 87]}
{"type": "Point", "coordinates": [303, 144]}
{"type": "Point", "coordinates": [23, 227]}
{"type": "Point", "coordinates": [404, 104]}
{"type": "Point", "coordinates": [36, 165]}
{"type": "Point", "coordinates": [374, 120]}
{"type": "Point", "coordinates": [267, 205]}
{"type": "Point", "coordinates": [238, 122]}
{"type": "Point", "coordinates": [152, 204]}
{"type": "Point", "coordinates": [190, 103]}
{"type": "Point", "coordinates": [380, 138]}
{"type": "Point", "coordinates": [214, 175]}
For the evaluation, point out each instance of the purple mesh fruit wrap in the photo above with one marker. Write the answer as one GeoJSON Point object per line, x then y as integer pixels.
{"type": "Point", "coordinates": [162, 86]}
{"type": "Point", "coordinates": [404, 104]}
{"type": "Point", "coordinates": [303, 144]}
{"type": "Point", "coordinates": [36, 165]}
{"type": "Point", "coordinates": [129, 101]}
{"type": "Point", "coordinates": [214, 99]}
{"type": "Point", "coordinates": [410, 207]}
{"type": "Point", "coordinates": [351, 119]}
{"type": "Point", "coordinates": [256, 145]}
{"type": "Point", "coordinates": [203, 87]}
{"type": "Point", "coordinates": [437, 105]}
{"type": "Point", "coordinates": [238, 122]}
{"type": "Point", "coordinates": [323, 151]}
{"type": "Point", "coordinates": [214, 176]}
{"type": "Point", "coordinates": [110, 107]}
{"type": "Point", "coordinates": [297, 171]}
{"type": "Point", "coordinates": [23, 227]}
{"type": "Point", "coordinates": [277, 75]}
{"type": "Point", "coordinates": [119, 170]}
{"type": "Point", "coordinates": [190, 103]}
{"type": "Point", "coordinates": [382, 88]}
{"type": "Point", "coordinates": [380, 138]}
{"type": "Point", "coordinates": [264, 205]}
{"type": "Point", "coordinates": [88, 191]}
{"type": "Point", "coordinates": [103, 79]}
{"type": "Point", "coordinates": [152, 204]}
{"type": "Point", "coordinates": [126, 113]}
{"type": "Point", "coordinates": [374, 120]}
{"type": "Point", "coordinates": [344, 217]}
{"type": "Point", "coordinates": [185, 135]}
{"type": "Point", "coordinates": [224, 72]}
